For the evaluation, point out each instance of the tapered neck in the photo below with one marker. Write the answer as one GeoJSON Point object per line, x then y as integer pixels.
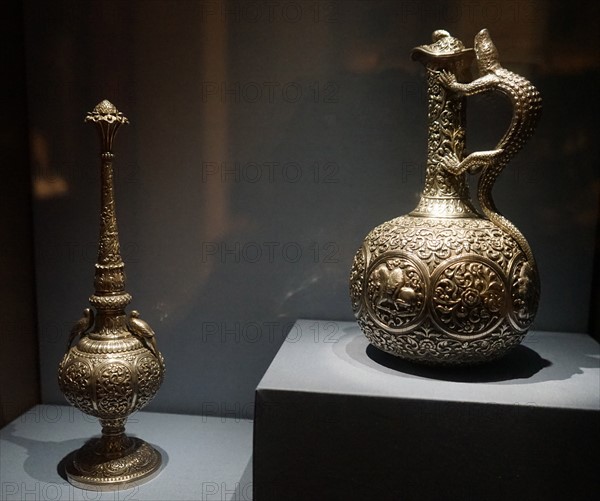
{"type": "Point", "coordinates": [444, 194]}
{"type": "Point", "coordinates": [109, 277]}
{"type": "Point", "coordinates": [109, 253]}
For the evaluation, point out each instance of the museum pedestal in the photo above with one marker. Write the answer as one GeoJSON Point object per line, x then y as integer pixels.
{"type": "Point", "coordinates": [337, 419]}
{"type": "Point", "coordinates": [204, 457]}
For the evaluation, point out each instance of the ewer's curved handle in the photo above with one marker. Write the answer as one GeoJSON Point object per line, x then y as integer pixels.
{"type": "Point", "coordinates": [523, 96]}
{"type": "Point", "coordinates": [527, 106]}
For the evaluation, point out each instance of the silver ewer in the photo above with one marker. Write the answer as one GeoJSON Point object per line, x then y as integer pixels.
{"type": "Point", "coordinates": [447, 283]}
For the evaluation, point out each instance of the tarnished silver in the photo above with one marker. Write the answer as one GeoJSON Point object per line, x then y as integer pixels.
{"type": "Point", "coordinates": [446, 284]}
{"type": "Point", "coordinates": [115, 367]}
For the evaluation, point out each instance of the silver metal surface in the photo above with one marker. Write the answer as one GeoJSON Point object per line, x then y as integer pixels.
{"type": "Point", "coordinates": [115, 367]}
{"type": "Point", "coordinates": [446, 284]}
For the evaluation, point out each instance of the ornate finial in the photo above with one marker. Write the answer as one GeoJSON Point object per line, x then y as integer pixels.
{"type": "Point", "coordinates": [105, 107]}
{"type": "Point", "coordinates": [107, 112]}
{"type": "Point", "coordinates": [443, 45]}
{"type": "Point", "coordinates": [108, 119]}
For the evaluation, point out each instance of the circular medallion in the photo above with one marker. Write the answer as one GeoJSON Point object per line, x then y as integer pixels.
{"type": "Point", "coordinates": [469, 296]}
{"type": "Point", "coordinates": [357, 279]}
{"type": "Point", "coordinates": [396, 290]}
{"type": "Point", "coordinates": [115, 389]}
{"type": "Point", "coordinates": [524, 294]}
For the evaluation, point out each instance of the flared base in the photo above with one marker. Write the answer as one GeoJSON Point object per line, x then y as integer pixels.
{"type": "Point", "coordinates": [441, 350]}
{"type": "Point", "coordinates": [92, 469]}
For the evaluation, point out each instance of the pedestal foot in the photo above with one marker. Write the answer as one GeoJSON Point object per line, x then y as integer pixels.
{"type": "Point", "coordinates": [92, 468]}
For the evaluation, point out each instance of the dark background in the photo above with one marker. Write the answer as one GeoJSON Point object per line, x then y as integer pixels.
{"type": "Point", "coordinates": [266, 140]}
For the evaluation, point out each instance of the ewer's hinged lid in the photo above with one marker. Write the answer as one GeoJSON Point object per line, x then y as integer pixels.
{"type": "Point", "coordinates": [444, 46]}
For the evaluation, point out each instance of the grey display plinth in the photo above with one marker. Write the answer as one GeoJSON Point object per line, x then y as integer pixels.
{"type": "Point", "coordinates": [204, 458]}
{"type": "Point", "coordinates": [338, 419]}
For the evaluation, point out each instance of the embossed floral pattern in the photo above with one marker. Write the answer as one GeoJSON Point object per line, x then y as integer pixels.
{"type": "Point", "coordinates": [114, 389]}
{"type": "Point", "coordinates": [357, 279]}
{"type": "Point", "coordinates": [468, 298]}
{"type": "Point", "coordinates": [150, 377]}
{"type": "Point", "coordinates": [74, 378]}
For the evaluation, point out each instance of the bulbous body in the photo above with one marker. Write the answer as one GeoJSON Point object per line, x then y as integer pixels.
{"type": "Point", "coordinates": [443, 290]}
{"type": "Point", "coordinates": [110, 377]}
